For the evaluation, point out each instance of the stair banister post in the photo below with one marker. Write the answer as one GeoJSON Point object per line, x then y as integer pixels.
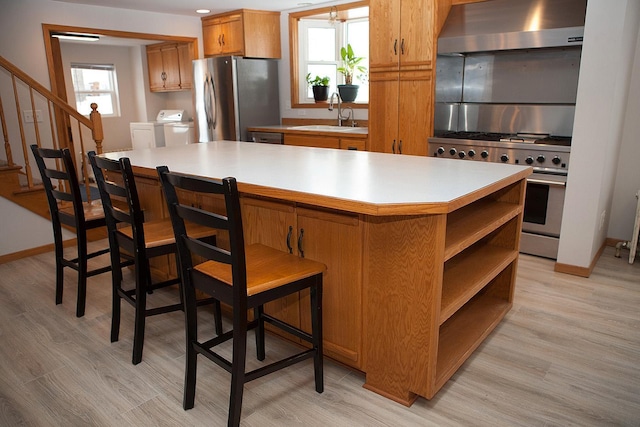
{"type": "Point", "coordinates": [96, 133]}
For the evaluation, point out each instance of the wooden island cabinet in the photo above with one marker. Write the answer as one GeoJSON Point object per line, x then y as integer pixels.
{"type": "Point", "coordinates": [421, 252]}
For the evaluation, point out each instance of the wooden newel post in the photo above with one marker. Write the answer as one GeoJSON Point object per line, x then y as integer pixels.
{"type": "Point", "coordinates": [96, 133]}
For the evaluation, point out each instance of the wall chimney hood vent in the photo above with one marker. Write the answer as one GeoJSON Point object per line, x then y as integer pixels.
{"type": "Point", "coordinates": [495, 25]}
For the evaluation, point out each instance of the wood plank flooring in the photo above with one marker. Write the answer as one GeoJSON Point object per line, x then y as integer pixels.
{"type": "Point", "coordinates": [567, 354]}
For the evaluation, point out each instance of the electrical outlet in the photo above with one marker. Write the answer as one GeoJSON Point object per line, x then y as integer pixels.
{"type": "Point", "coordinates": [28, 116]}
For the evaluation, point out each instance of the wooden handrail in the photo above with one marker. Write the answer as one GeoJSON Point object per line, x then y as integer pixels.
{"type": "Point", "coordinates": [56, 100]}
{"type": "Point", "coordinates": [93, 123]}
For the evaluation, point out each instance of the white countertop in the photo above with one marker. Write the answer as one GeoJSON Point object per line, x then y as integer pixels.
{"type": "Point", "coordinates": [356, 181]}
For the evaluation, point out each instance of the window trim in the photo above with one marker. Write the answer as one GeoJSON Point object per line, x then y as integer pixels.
{"type": "Point", "coordinates": [294, 42]}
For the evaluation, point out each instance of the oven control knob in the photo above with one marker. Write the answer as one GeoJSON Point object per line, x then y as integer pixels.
{"type": "Point", "coordinates": [471, 153]}
{"type": "Point", "coordinates": [462, 154]}
{"type": "Point", "coordinates": [440, 150]}
{"type": "Point", "coordinates": [540, 158]}
{"type": "Point", "coordinates": [529, 160]}
{"type": "Point", "coordinates": [484, 154]}
{"type": "Point", "coordinates": [504, 158]}
{"type": "Point", "coordinates": [452, 151]}
{"type": "Point", "coordinates": [556, 160]}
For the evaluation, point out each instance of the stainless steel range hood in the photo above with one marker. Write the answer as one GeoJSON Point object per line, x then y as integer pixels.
{"type": "Point", "coordinates": [495, 25]}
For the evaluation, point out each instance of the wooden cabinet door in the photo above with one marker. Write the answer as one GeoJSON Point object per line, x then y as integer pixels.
{"type": "Point", "coordinates": [233, 36]}
{"type": "Point", "coordinates": [357, 144]}
{"type": "Point", "coordinates": [335, 240]}
{"type": "Point", "coordinates": [185, 59]}
{"type": "Point", "coordinates": [416, 34]}
{"type": "Point", "coordinates": [212, 39]}
{"type": "Point", "coordinates": [384, 30]}
{"type": "Point", "coordinates": [414, 112]}
{"type": "Point", "coordinates": [171, 65]}
{"type": "Point", "coordinates": [383, 112]}
{"type": "Point", "coordinates": [312, 141]}
{"type": "Point", "coordinates": [156, 70]}
{"type": "Point", "coordinates": [273, 224]}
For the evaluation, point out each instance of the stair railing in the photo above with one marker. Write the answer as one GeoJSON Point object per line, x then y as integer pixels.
{"type": "Point", "coordinates": [24, 85]}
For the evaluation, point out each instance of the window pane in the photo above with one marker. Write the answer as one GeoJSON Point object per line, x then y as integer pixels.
{"type": "Point", "coordinates": [322, 44]}
{"type": "Point", "coordinates": [323, 70]}
{"type": "Point", "coordinates": [104, 101]}
{"type": "Point", "coordinates": [95, 83]}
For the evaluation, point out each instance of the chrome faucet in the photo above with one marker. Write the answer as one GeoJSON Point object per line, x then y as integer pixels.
{"type": "Point", "coordinates": [340, 118]}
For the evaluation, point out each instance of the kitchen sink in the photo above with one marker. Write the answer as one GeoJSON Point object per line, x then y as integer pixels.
{"type": "Point", "coordinates": [330, 128]}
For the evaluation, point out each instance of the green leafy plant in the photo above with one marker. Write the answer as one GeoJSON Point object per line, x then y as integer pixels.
{"type": "Point", "coordinates": [317, 80]}
{"type": "Point", "coordinates": [350, 64]}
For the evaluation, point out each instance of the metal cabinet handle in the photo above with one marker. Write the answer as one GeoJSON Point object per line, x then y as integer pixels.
{"type": "Point", "coordinates": [393, 147]}
{"type": "Point", "coordinates": [395, 47]}
{"type": "Point", "coordinates": [223, 39]}
{"type": "Point", "coordinates": [300, 250]}
{"type": "Point", "coordinates": [219, 39]}
{"type": "Point", "coordinates": [289, 239]}
{"type": "Point", "coordinates": [402, 46]}
{"type": "Point", "coordinates": [400, 147]}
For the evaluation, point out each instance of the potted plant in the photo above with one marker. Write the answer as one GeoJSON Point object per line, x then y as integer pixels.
{"type": "Point", "coordinates": [350, 66]}
{"type": "Point", "coordinates": [320, 87]}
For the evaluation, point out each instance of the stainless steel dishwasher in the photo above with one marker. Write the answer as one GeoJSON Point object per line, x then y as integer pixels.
{"type": "Point", "coordinates": [266, 137]}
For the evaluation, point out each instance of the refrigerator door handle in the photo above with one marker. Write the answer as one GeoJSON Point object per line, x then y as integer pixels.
{"type": "Point", "coordinates": [210, 103]}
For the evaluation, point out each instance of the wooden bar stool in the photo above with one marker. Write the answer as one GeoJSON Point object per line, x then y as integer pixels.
{"type": "Point", "coordinates": [67, 208]}
{"type": "Point", "coordinates": [242, 277]}
{"type": "Point", "coordinates": [140, 241]}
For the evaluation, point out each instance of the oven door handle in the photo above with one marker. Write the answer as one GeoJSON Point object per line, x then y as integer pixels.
{"type": "Point", "coordinates": [545, 182]}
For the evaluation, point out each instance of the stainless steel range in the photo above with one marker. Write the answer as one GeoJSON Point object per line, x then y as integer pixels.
{"type": "Point", "coordinates": [506, 92]}
{"type": "Point", "coordinates": [549, 157]}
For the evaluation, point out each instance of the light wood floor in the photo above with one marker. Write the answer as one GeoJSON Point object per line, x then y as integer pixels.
{"type": "Point", "coordinates": [568, 354]}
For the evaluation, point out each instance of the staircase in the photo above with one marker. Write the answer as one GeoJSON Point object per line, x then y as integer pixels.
{"type": "Point", "coordinates": [58, 125]}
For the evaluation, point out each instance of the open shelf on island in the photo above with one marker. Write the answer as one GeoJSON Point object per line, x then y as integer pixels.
{"type": "Point", "coordinates": [468, 273]}
{"type": "Point", "coordinates": [463, 332]}
{"type": "Point", "coordinates": [471, 223]}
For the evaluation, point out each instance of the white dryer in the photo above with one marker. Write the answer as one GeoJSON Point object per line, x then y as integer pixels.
{"type": "Point", "coordinates": [152, 134]}
{"type": "Point", "coordinates": [178, 133]}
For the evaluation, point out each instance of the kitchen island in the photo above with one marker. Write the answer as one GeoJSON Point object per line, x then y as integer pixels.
{"type": "Point", "coordinates": [421, 252]}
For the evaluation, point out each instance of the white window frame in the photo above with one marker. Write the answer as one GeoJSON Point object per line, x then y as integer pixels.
{"type": "Point", "coordinates": [304, 25]}
{"type": "Point", "coordinates": [113, 92]}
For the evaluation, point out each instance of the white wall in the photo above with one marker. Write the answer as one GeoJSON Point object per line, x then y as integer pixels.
{"type": "Point", "coordinates": [611, 31]}
{"type": "Point", "coordinates": [628, 174]}
{"type": "Point", "coordinates": [28, 231]}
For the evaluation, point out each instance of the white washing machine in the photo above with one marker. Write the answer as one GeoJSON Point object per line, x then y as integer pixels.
{"type": "Point", "coordinates": [152, 134]}
{"type": "Point", "coordinates": [178, 133]}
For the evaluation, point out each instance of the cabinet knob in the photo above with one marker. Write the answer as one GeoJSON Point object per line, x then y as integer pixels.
{"type": "Point", "coordinates": [395, 47]}
{"type": "Point", "coordinates": [402, 47]}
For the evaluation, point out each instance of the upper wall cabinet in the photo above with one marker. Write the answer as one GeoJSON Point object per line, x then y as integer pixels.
{"type": "Point", "coordinates": [401, 35]}
{"type": "Point", "coordinates": [248, 33]}
{"type": "Point", "coordinates": [169, 66]}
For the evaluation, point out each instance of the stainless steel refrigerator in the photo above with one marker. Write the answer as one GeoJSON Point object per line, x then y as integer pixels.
{"type": "Point", "coordinates": [233, 93]}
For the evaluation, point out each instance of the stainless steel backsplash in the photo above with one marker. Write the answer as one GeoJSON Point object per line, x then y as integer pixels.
{"type": "Point", "coordinates": [531, 91]}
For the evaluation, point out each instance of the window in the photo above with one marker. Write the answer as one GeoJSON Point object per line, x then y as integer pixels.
{"type": "Point", "coordinates": [316, 44]}
{"type": "Point", "coordinates": [96, 83]}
